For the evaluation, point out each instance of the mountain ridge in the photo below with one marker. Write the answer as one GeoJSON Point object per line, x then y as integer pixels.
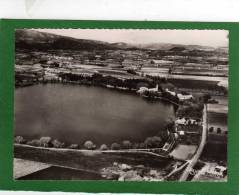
{"type": "Point", "coordinates": [33, 39]}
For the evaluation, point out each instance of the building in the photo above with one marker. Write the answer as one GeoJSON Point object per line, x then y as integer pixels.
{"type": "Point", "coordinates": [182, 97]}
{"type": "Point", "coordinates": [217, 171]}
{"type": "Point", "coordinates": [142, 90]}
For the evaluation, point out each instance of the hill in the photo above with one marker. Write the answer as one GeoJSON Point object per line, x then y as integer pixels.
{"type": "Point", "coordinates": [34, 40]}
{"type": "Point", "coordinates": [170, 46]}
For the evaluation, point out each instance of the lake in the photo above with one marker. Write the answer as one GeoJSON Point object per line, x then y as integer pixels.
{"type": "Point", "coordinates": [76, 113]}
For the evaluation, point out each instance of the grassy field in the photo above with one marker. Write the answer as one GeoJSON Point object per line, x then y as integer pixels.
{"type": "Point", "coordinates": [87, 159]}
{"type": "Point", "coordinates": [186, 83]}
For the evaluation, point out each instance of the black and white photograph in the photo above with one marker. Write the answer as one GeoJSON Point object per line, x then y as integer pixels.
{"type": "Point", "coordinates": [121, 104]}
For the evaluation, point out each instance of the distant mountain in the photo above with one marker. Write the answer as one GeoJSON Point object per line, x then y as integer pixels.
{"type": "Point", "coordinates": [157, 46]}
{"type": "Point", "coordinates": [222, 50]}
{"type": "Point", "coordinates": [170, 46]}
{"type": "Point", "coordinates": [30, 39]}
{"type": "Point", "coordinates": [178, 48]}
{"type": "Point", "coordinates": [199, 47]}
{"type": "Point", "coordinates": [34, 40]}
{"type": "Point", "coordinates": [121, 45]}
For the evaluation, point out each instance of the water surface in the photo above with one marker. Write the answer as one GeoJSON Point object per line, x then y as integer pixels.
{"type": "Point", "coordinates": [74, 114]}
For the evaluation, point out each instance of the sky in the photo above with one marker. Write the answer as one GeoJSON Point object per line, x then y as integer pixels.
{"type": "Point", "coordinates": [214, 38]}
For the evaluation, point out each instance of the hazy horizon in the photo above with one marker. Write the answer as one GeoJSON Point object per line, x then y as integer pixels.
{"type": "Point", "coordinates": [211, 38]}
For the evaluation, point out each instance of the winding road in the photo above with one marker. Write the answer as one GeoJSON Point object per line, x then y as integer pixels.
{"type": "Point", "coordinates": [195, 158]}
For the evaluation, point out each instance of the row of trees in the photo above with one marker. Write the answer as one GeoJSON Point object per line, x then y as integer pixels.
{"type": "Point", "coordinates": [150, 142]}
{"type": "Point", "coordinates": [99, 79]}
{"type": "Point", "coordinates": [217, 130]}
{"type": "Point", "coordinates": [42, 142]}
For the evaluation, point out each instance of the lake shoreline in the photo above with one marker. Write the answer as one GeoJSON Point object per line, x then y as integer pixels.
{"type": "Point", "coordinates": [89, 84]}
{"type": "Point", "coordinates": [165, 102]}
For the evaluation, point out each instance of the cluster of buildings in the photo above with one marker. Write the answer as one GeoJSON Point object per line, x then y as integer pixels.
{"type": "Point", "coordinates": [181, 97]}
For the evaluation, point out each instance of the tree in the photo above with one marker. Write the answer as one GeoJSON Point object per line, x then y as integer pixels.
{"type": "Point", "coordinates": [130, 83]}
{"type": "Point", "coordinates": [153, 142]}
{"type": "Point", "coordinates": [115, 146]}
{"type": "Point", "coordinates": [170, 126]}
{"type": "Point", "coordinates": [194, 110]}
{"type": "Point", "coordinates": [34, 142]}
{"type": "Point", "coordinates": [211, 129]}
{"type": "Point", "coordinates": [131, 71]}
{"type": "Point", "coordinates": [103, 147]}
{"type": "Point", "coordinates": [112, 81]}
{"type": "Point", "coordinates": [219, 130]}
{"type": "Point", "coordinates": [135, 146]}
{"type": "Point", "coordinates": [164, 135]}
{"type": "Point", "coordinates": [170, 70]}
{"type": "Point", "coordinates": [206, 97]}
{"type": "Point", "coordinates": [142, 84]}
{"type": "Point", "coordinates": [45, 141]}
{"type": "Point", "coordinates": [89, 145]}
{"type": "Point", "coordinates": [57, 144]}
{"type": "Point", "coordinates": [126, 144]}
{"type": "Point", "coordinates": [97, 78]}
{"type": "Point", "coordinates": [167, 85]}
{"type": "Point", "coordinates": [19, 140]}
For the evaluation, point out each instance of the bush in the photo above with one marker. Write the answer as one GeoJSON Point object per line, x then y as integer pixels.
{"type": "Point", "coordinates": [45, 142]}
{"type": "Point", "coordinates": [89, 145]}
{"type": "Point", "coordinates": [153, 142]}
{"type": "Point", "coordinates": [19, 140]}
{"type": "Point", "coordinates": [103, 147]}
{"type": "Point", "coordinates": [126, 144]}
{"type": "Point", "coordinates": [57, 144]}
{"type": "Point", "coordinates": [34, 142]}
{"type": "Point", "coordinates": [115, 146]}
